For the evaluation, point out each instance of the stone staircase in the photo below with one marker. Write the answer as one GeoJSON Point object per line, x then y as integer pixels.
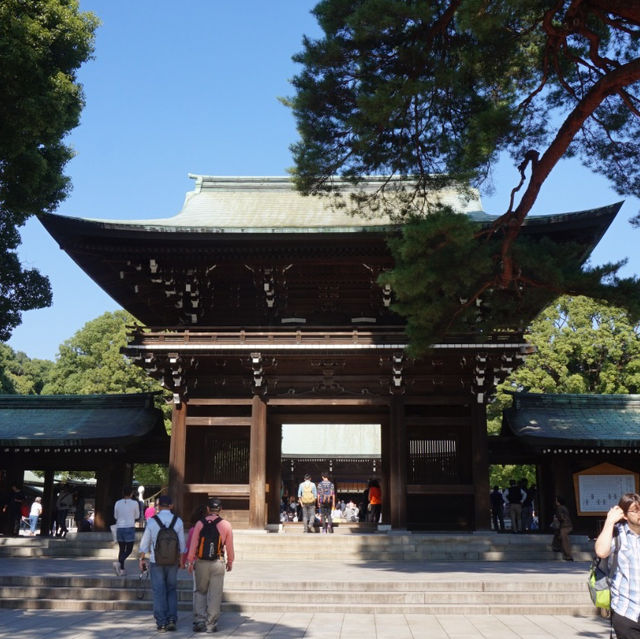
{"type": "Point", "coordinates": [358, 546]}
{"type": "Point", "coordinates": [469, 596]}
{"type": "Point", "coordinates": [397, 572]}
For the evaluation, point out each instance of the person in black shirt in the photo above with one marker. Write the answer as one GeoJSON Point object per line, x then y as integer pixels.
{"type": "Point", "coordinates": [13, 510]}
{"type": "Point", "coordinates": [497, 509]}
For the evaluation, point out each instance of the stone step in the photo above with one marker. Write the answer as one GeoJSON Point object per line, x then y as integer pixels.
{"type": "Point", "coordinates": [365, 547]}
{"type": "Point", "coordinates": [496, 608]}
{"type": "Point", "coordinates": [354, 597]}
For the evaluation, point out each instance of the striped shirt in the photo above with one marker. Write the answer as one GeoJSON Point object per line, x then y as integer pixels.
{"type": "Point", "coordinates": [625, 585]}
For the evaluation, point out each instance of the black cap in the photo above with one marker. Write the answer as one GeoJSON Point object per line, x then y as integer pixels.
{"type": "Point", "coordinates": [164, 500]}
{"type": "Point", "coordinates": [214, 503]}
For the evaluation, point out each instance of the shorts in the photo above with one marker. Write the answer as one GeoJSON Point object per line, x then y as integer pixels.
{"type": "Point", "coordinates": [125, 534]}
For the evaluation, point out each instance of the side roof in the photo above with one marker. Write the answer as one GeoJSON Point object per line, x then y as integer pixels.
{"type": "Point", "coordinates": [604, 421]}
{"type": "Point", "coordinates": [78, 420]}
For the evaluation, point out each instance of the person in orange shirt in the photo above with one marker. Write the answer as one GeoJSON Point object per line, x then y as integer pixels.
{"type": "Point", "coordinates": [212, 539]}
{"type": "Point", "coordinates": [375, 501]}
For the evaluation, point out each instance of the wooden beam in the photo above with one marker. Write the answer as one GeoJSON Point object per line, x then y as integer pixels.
{"type": "Point", "coordinates": [440, 489]}
{"type": "Point", "coordinates": [219, 490]}
{"type": "Point", "coordinates": [353, 401]}
{"type": "Point", "coordinates": [218, 421]}
{"type": "Point", "coordinates": [219, 401]}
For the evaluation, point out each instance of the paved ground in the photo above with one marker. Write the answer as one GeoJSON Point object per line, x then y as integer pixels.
{"type": "Point", "coordinates": [39, 624]}
{"type": "Point", "coordinates": [110, 625]}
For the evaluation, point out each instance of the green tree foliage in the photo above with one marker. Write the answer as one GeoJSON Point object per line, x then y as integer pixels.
{"type": "Point", "coordinates": [42, 44]}
{"type": "Point", "coordinates": [21, 375]}
{"type": "Point", "coordinates": [91, 361]}
{"type": "Point", "coordinates": [499, 475]}
{"type": "Point", "coordinates": [582, 347]}
{"type": "Point", "coordinates": [430, 93]}
{"type": "Point", "coordinates": [151, 475]}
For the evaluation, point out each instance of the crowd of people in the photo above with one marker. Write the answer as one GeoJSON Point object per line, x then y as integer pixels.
{"type": "Point", "coordinates": [318, 506]}
{"type": "Point", "coordinates": [517, 503]}
{"type": "Point", "coordinates": [22, 513]}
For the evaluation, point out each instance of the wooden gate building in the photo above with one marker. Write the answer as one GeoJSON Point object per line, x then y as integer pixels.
{"type": "Point", "coordinates": [261, 308]}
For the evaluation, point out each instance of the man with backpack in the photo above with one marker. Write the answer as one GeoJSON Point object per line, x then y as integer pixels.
{"type": "Point", "coordinates": [212, 538]}
{"type": "Point", "coordinates": [307, 495]}
{"type": "Point", "coordinates": [326, 502]}
{"type": "Point", "coordinates": [163, 541]}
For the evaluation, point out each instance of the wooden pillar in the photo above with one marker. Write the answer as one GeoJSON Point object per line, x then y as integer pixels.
{"type": "Point", "coordinates": [257, 463]}
{"type": "Point", "coordinates": [397, 444]}
{"type": "Point", "coordinates": [178, 455]}
{"type": "Point", "coordinates": [274, 471]}
{"type": "Point", "coordinates": [480, 466]}
{"type": "Point", "coordinates": [48, 504]}
{"type": "Point", "coordinates": [110, 482]}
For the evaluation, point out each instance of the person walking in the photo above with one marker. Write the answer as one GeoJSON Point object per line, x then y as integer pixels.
{"type": "Point", "coordinates": [621, 535]}
{"type": "Point", "coordinates": [163, 541]}
{"type": "Point", "coordinates": [326, 502]}
{"type": "Point", "coordinates": [307, 496]}
{"type": "Point", "coordinates": [34, 515]}
{"type": "Point", "coordinates": [562, 526]}
{"type": "Point", "coordinates": [125, 512]}
{"type": "Point", "coordinates": [210, 554]}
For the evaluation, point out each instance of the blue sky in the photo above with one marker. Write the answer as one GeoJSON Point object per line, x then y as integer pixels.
{"type": "Point", "coordinates": [193, 87]}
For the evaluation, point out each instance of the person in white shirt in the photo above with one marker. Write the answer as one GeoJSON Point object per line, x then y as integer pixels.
{"type": "Point", "coordinates": [34, 514]}
{"type": "Point", "coordinates": [125, 512]}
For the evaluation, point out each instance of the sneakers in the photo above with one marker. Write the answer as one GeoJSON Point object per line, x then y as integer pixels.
{"type": "Point", "coordinates": [171, 626]}
{"type": "Point", "coordinates": [116, 568]}
{"type": "Point", "coordinates": [199, 627]}
{"type": "Point", "coordinates": [213, 628]}
{"type": "Point", "coordinates": [162, 628]}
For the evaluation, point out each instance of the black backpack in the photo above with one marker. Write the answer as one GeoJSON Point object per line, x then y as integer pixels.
{"type": "Point", "coordinates": [209, 543]}
{"type": "Point", "coordinates": [167, 549]}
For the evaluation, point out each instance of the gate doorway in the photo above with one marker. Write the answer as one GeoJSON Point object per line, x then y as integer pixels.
{"type": "Point", "coordinates": [350, 453]}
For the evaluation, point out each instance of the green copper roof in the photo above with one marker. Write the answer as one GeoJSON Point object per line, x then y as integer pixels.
{"type": "Point", "coordinates": [605, 421]}
{"type": "Point", "coordinates": [272, 204]}
{"type": "Point", "coordinates": [77, 420]}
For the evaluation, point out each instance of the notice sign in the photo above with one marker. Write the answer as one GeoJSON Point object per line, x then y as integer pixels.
{"type": "Point", "coordinates": [598, 493]}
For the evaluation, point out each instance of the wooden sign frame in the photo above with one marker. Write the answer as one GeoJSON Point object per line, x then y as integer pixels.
{"type": "Point", "coordinates": [600, 487]}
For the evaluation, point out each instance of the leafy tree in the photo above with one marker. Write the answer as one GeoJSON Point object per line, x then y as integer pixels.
{"type": "Point", "coordinates": [91, 362]}
{"type": "Point", "coordinates": [430, 93]}
{"type": "Point", "coordinates": [42, 44]}
{"type": "Point", "coordinates": [582, 347]}
{"type": "Point", "coordinates": [21, 375]}
{"type": "Point", "coordinates": [151, 475]}
{"type": "Point", "coordinates": [499, 475]}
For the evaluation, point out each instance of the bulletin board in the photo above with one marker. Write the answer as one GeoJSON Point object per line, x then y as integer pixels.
{"type": "Point", "coordinates": [600, 487]}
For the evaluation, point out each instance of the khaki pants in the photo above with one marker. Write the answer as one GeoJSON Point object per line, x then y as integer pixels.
{"type": "Point", "coordinates": [207, 596]}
